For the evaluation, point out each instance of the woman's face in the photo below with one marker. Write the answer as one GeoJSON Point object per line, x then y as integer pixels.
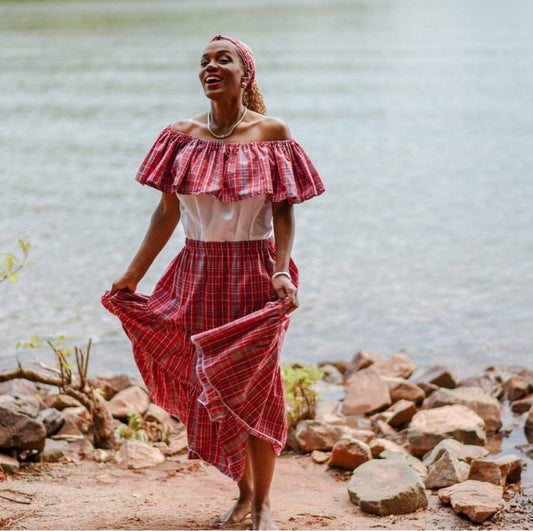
{"type": "Point", "coordinates": [221, 69]}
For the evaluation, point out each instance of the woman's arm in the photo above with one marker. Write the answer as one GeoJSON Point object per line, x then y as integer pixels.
{"type": "Point", "coordinates": [162, 225]}
{"type": "Point", "coordinates": [283, 219]}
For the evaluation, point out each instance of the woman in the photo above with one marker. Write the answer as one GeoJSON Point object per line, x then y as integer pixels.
{"type": "Point", "coordinates": [207, 340]}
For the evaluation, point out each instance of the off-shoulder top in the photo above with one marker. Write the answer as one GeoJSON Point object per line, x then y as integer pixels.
{"type": "Point", "coordinates": [225, 188]}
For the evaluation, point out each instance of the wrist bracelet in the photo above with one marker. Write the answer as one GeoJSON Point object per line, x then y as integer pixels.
{"type": "Point", "coordinates": [282, 274]}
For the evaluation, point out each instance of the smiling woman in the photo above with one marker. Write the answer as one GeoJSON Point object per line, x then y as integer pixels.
{"type": "Point", "coordinates": [207, 341]}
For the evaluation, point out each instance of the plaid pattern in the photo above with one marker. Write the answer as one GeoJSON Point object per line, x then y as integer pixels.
{"type": "Point", "coordinates": [230, 171]}
{"type": "Point", "coordinates": [229, 386]}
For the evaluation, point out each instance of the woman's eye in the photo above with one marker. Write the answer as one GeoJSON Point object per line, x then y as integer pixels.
{"type": "Point", "coordinates": [224, 60]}
{"type": "Point", "coordinates": [203, 63]}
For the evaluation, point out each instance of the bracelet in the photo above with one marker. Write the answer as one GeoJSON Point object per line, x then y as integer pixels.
{"type": "Point", "coordinates": [282, 274]}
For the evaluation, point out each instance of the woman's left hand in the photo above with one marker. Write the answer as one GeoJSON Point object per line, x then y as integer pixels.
{"type": "Point", "coordinates": [287, 292]}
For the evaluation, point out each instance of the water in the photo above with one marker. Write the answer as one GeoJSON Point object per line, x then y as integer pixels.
{"type": "Point", "coordinates": [417, 114]}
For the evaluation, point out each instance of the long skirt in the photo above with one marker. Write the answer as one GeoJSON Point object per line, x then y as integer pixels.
{"type": "Point", "coordinates": [207, 344]}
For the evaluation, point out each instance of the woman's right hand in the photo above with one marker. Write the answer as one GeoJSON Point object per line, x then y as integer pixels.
{"type": "Point", "coordinates": [127, 282]}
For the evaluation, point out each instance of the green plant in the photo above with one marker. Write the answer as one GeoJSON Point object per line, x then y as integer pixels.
{"type": "Point", "coordinates": [143, 430]}
{"type": "Point", "coordinates": [299, 393]}
{"type": "Point", "coordinates": [13, 264]}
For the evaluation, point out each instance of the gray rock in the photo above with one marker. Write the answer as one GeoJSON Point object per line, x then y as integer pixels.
{"type": "Point", "coordinates": [19, 387]}
{"type": "Point", "coordinates": [387, 486]}
{"type": "Point", "coordinates": [366, 393]}
{"type": "Point", "coordinates": [20, 431]}
{"type": "Point", "coordinates": [486, 406]}
{"type": "Point", "coordinates": [418, 467]}
{"type": "Point", "coordinates": [53, 451]}
{"type": "Point", "coordinates": [316, 435]}
{"type": "Point", "coordinates": [349, 453]}
{"type": "Point", "coordinates": [446, 470]}
{"type": "Point", "coordinates": [430, 426]}
{"type": "Point", "coordinates": [137, 455]}
{"type": "Point", "coordinates": [438, 375]}
{"type": "Point", "coordinates": [130, 400]}
{"type": "Point", "coordinates": [463, 452]}
{"type": "Point", "coordinates": [8, 464]}
{"type": "Point", "coordinates": [476, 499]}
{"type": "Point", "coordinates": [402, 389]}
{"type": "Point", "coordinates": [399, 366]}
{"type": "Point", "coordinates": [27, 405]}
{"type": "Point", "coordinates": [52, 420]}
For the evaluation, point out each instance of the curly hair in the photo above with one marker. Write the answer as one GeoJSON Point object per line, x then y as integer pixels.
{"type": "Point", "coordinates": [253, 99]}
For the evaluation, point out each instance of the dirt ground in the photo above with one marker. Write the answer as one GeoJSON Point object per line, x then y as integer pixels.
{"type": "Point", "coordinates": [182, 494]}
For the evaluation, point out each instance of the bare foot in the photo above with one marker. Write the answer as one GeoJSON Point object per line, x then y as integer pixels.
{"type": "Point", "coordinates": [262, 519]}
{"type": "Point", "coordinates": [237, 513]}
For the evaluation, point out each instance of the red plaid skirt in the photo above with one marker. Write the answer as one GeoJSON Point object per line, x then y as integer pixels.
{"type": "Point", "coordinates": [207, 344]}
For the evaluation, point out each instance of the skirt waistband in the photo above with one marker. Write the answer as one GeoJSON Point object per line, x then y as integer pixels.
{"type": "Point", "coordinates": [236, 246]}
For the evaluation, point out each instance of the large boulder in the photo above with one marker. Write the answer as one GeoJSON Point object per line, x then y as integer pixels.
{"type": "Point", "coordinates": [136, 455]}
{"type": "Point", "coordinates": [20, 431]}
{"type": "Point", "coordinates": [399, 366]}
{"type": "Point", "coordinates": [430, 426]}
{"type": "Point", "coordinates": [463, 452]}
{"type": "Point", "coordinates": [366, 393]}
{"type": "Point", "coordinates": [486, 406]}
{"type": "Point", "coordinates": [316, 435]}
{"type": "Point", "coordinates": [446, 470]}
{"type": "Point", "coordinates": [418, 467]}
{"type": "Point", "coordinates": [349, 453]}
{"type": "Point", "coordinates": [476, 499]}
{"type": "Point", "coordinates": [129, 400]}
{"type": "Point", "coordinates": [27, 405]}
{"type": "Point", "coordinates": [387, 486]}
{"type": "Point", "coordinates": [402, 389]}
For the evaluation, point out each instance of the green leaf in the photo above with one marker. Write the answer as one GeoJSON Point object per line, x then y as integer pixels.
{"type": "Point", "coordinates": [13, 277]}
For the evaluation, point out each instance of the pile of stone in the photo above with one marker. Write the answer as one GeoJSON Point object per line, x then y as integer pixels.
{"type": "Point", "coordinates": [404, 433]}
{"type": "Point", "coordinates": [38, 424]}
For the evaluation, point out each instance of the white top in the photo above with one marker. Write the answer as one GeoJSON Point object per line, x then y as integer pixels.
{"type": "Point", "coordinates": [208, 219]}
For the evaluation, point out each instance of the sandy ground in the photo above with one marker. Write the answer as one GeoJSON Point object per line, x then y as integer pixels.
{"type": "Point", "coordinates": [182, 494]}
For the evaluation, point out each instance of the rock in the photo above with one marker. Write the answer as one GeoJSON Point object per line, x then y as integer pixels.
{"type": "Point", "coordinates": [107, 390]}
{"type": "Point", "coordinates": [445, 471]}
{"type": "Point", "coordinates": [438, 375]}
{"type": "Point", "coordinates": [316, 435]}
{"type": "Point", "coordinates": [53, 451]}
{"type": "Point", "coordinates": [418, 467]}
{"type": "Point", "coordinates": [19, 387]}
{"type": "Point", "coordinates": [136, 455]}
{"type": "Point", "coordinates": [387, 486]}
{"type": "Point", "coordinates": [349, 453]}
{"type": "Point", "coordinates": [400, 413]}
{"type": "Point", "coordinates": [362, 360]}
{"type": "Point", "coordinates": [366, 393]}
{"type": "Point", "coordinates": [79, 416]}
{"type": "Point", "coordinates": [516, 387]}
{"type": "Point", "coordinates": [378, 446]}
{"type": "Point", "coordinates": [102, 456]}
{"type": "Point", "coordinates": [463, 452]}
{"type": "Point", "coordinates": [20, 431]}
{"type": "Point", "coordinates": [528, 426]}
{"type": "Point", "coordinates": [9, 464]}
{"type": "Point", "coordinates": [327, 407]}
{"type": "Point", "coordinates": [361, 435]}
{"type": "Point", "coordinates": [52, 420]}
{"type": "Point", "coordinates": [430, 426]}
{"type": "Point", "coordinates": [80, 448]}
{"type": "Point", "coordinates": [177, 443]}
{"type": "Point", "coordinates": [427, 387]}
{"type": "Point", "coordinates": [399, 366]}
{"type": "Point", "coordinates": [130, 400]}
{"type": "Point", "coordinates": [485, 470]}
{"type": "Point", "coordinates": [320, 457]}
{"type": "Point", "coordinates": [486, 406]}
{"type": "Point", "coordinates": [334, 418]}
{"type": "Point", "coordinates": [510, 467]}
{"type": "Point", "coordinates": [476, 499]}
{"type": "Point", "coordinates": [69, 431]}
{"type": "Point", "coordinates": [122, 381]}
{"type": "Point", "coordinates": [384, 429]}
{"type": "Point", "coordinates": [522, 405]}
{"type": "Point", "coordinates": [332, 375]}
{"type": "Point", "coordinates": [401, 389]}
{"type": "Point", "coordinates": [60, 401]}
{"type": "Point", "coordinates": [155, 413]}
{"type": "Point", "coordinates": [27, 405]}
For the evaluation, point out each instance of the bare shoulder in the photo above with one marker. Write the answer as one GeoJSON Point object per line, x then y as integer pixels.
{"type": "Point", "coordinates": [273, 128]}
{"type": "Point", "coordinates": [189, 125]}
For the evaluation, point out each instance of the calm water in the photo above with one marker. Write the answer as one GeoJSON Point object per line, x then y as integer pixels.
{"type": "Point", "coordinates": [417, 114]}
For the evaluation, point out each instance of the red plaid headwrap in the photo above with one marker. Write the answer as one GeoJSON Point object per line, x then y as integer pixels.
{"type": "Point", "coordinates": [246, 53]}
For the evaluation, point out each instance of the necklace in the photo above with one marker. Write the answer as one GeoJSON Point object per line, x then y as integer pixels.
{"type": "Point", "coordinates": [230, 132]}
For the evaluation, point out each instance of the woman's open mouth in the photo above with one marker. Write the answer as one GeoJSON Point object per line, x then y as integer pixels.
{"type": "Point", "coordinates": [212, 80]}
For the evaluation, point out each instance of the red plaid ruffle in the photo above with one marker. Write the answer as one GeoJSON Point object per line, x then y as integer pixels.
{"type": "Point", "coordinates": [224, 383]}
{"type": "Point", "coordinates": [230, 171]}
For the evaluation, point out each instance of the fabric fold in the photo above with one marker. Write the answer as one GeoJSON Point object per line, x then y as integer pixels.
{"type": "Point", "coordinates": [229, 171]}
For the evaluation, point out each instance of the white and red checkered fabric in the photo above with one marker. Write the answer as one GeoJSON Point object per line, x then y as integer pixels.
{"type": "Point", "coordinates": [230, 171]}
{"type": "Point", "coordinates": [225, 383]}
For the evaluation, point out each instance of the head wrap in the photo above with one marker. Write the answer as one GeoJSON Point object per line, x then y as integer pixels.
{"type": "Point", "coordinates": [246, 54]}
